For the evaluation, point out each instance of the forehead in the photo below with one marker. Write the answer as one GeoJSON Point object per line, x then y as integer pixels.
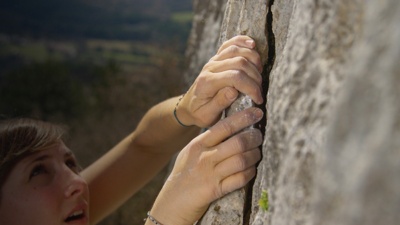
{"type": "Point", "coordinates": [56, 151]}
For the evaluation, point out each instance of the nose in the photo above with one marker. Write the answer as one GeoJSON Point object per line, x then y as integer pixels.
{"type": "Point", "coordinates": [75, 185]}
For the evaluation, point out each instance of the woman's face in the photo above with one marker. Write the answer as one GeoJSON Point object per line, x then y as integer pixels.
{"type": "Point", "coordinates": [45, 189]}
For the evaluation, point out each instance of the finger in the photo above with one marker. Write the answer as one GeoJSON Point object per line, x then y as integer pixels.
{"type": "Point", "coordinates": [238, 163]}
{"type": "Point", "coordinates": [237, 180]}
{"type": "Point", "coordinates": [240, 40]}
{"type": "Point", "coordinates": [238, 144]}
{"type": "Point", "coordinates": [231, 125]}
{"type": "Point", "coordinates": [211, 111]}
{"type": "Point", "coordinates": [239, 80]}
{"type": "Point", "coordinates": [236, 63]}
{"type": "Point", "coordinates": [236, 51]}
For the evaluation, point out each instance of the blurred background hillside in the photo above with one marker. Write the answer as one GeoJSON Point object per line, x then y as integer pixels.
{"type": "Point", "coordinates": [96, 66]}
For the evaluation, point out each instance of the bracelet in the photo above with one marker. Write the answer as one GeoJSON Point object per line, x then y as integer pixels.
{"type": "Point", "coordinates": [176, 117]}
{"type": "Point", "coordinates": [152, 219]}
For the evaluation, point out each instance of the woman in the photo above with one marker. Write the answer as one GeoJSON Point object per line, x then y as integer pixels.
{"type": "Point", "coordinates": [41, 183]}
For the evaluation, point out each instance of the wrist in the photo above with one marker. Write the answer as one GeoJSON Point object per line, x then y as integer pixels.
{"type": "Point", "coordinates": [173, 208]}
{"type": "Point", "coordinates": [163, 216]}
{"type": "Point", "coordinates": [181, 114]}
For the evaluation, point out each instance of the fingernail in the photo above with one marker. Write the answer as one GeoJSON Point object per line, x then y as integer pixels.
{"type": "Point", "coordinates": [258, 113]}
{"type": "Point", "coordinates": [250, 43]}
{"type": "Point", "coordinates": [261, 100]}
{"type": "Point", "coordinates": [258, 100]}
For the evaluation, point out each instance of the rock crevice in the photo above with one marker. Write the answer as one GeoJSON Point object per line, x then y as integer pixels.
{"type": "Point", "coordinates": [331, 149]}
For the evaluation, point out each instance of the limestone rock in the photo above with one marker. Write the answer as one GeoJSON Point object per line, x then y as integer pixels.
{"type": "Point", "coordinates": [204, 36]}
{"type": "Point", "coordinates": [311, 49]}
{"type": "Point", "coordinates": [358, 180]}
{"type": "Point", "coordinates": [331, 153]}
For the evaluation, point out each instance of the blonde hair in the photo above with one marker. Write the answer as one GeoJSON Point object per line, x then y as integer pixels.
{"type": "Point", "coordinates": [22, 137]}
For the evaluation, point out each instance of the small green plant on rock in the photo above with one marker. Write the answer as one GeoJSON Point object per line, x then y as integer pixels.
{"type": "Point", "coordinates": [263, 202]}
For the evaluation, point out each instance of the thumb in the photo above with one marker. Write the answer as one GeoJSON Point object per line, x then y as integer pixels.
{"type": "Point", "coordinates": [223, 99]}
{"type": "Point", "coordinates": [211, 112]}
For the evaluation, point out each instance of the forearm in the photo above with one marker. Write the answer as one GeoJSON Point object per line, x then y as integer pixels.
{"type": "Point", "coordinates": [132, 163]}
{"type": "Point", "coordinates": [159, 128]}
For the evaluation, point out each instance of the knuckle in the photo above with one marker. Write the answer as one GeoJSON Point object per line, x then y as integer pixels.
{"type": "Point", "coordinates": [241, 163]}
{"type": "Point", "coordinates": [211, 59]}
{"type": "Point", "coordinates": [203, 161]}
{"type": "Point", "coordinates": [235, 73]}
{"type": "Point", "coordinates": [210, 64]}
{"type": "Point", "coordinates": [238, 75]}
{"type": "Point", "coordinates": [242, 61]}
{"type": "Point", "coordinates": [226, 127]}
{"type": "Point", "coordinates": [195, 146]}
{"type": "Point", "coordinates": [233, 49]}
{"type": "Point", "coordinates": [202, 78]}
{"type": "Point", "coordinates": [239, 143]}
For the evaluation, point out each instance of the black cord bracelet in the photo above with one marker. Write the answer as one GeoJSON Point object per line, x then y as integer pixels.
{"type": "Point", "coordinates": [176, 117]}
{"type": "Point", "coordinates": [152, 219]}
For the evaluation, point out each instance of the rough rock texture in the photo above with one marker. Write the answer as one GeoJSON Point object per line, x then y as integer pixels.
{"type": "Point", "coordinates": [331, 153]}
{"type": "Point", "coordinates": [204, 37]}
{"type": "Point", "coordinates": [311, 50]}
{"type": "Point", "coordinates": [358, 180]}
{"type": "Point", "coordinates": [241, 17]}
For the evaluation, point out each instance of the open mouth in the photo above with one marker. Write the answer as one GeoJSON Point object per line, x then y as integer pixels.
{"type": "Point", "coordinates": [75, 216]}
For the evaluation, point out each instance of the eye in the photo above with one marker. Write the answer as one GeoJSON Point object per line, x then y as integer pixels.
{"type": "Point", "coordinates": [37, 170]}
{"type": "Point", "coordinates": [73, 165]}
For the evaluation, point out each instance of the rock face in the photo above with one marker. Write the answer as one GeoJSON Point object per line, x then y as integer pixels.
{"type": "Point", "coordinates": [204, 37]}
{"type": "Point", "coordinates": [331, 153]}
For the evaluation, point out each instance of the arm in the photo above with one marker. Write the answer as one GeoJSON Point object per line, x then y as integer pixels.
{"type": "Point", "coordinates": [209, 167]}
{"type": "Point", "coordinates": [136, 159]}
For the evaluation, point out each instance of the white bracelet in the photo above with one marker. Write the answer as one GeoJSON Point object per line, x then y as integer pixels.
{"type": "Point", "coordinates": [152, 219]}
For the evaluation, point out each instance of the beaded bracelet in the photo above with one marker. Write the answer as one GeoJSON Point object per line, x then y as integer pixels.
{"type": "Point", "coordinates": [176, 117]}
{"type": "Point", "coordinates": [152, 219]}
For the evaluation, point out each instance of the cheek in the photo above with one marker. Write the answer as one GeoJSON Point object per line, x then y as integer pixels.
{"type": "Point", "coordinates": [35, 207]}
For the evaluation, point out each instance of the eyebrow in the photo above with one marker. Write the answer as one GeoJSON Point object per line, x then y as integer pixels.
{"type": "Point", "coordinates": [40, 158]}
{"type": "Point", "coordinates": [47, 156]}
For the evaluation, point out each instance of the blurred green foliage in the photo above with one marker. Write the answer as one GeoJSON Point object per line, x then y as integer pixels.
{"type": "Point", "coordinates": [96, 66]}
{"type": "Point", "coordinates": [83, 19]}
{"type": "Point", "coordinates": [53, 89]}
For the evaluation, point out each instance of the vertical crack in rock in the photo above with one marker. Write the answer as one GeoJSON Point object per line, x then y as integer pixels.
{"type": "Point", "coordinates": [271, 54]}
{"type": "Point", "coordinates": [270, 62]}
{"type": "Point", "coordinates": [246, 18]}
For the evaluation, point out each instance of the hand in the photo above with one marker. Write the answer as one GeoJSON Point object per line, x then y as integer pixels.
{"type": "Point", "coordinates": [212, 165]}
{"type": "Point", "coordinates": [235, 68]}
